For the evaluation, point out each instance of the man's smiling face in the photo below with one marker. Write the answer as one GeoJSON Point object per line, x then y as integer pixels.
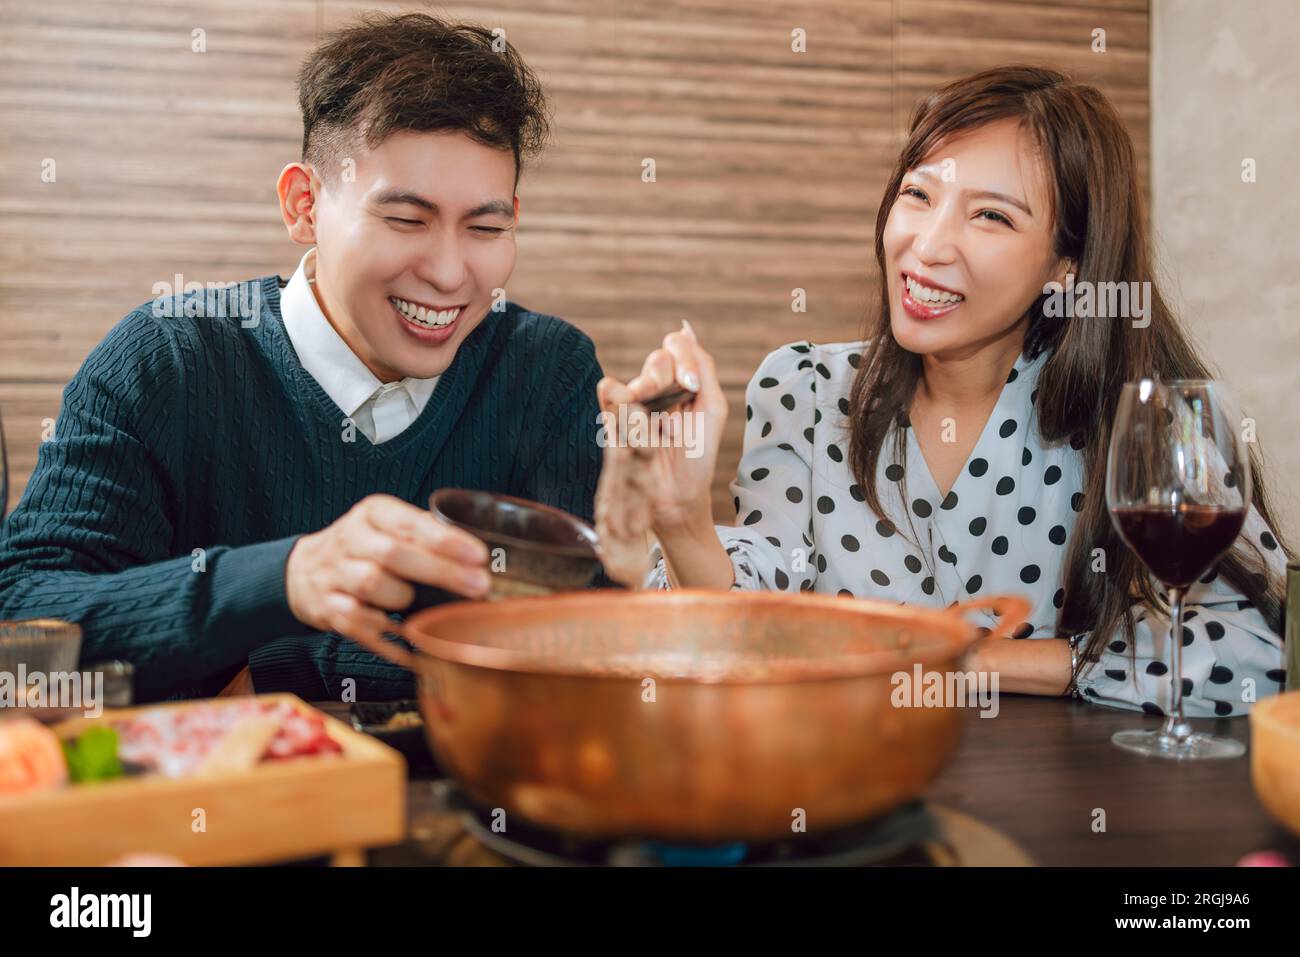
{"type": "Point", "coordinates": [410, 250]}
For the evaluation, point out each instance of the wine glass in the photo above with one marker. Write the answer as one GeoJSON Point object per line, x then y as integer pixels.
{"type": "Point", "coordinates": [1178, 489]}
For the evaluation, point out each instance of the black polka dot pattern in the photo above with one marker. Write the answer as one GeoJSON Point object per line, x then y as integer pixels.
{"type": "Point", "coordinates": [1000, 522]}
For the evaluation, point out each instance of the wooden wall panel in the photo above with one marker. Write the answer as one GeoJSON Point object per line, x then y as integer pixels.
{"type": "Point", "coordinates": [769, 163]}
{"type": "Point", "coordinates": [940, 40]}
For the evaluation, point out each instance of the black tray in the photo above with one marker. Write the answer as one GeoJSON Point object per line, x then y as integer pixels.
{"type": "Point", "coordinates": [369, 717]}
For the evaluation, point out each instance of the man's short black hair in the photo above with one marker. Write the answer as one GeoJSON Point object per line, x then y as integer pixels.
{"type": "Point", "coordinates": [414, 72]}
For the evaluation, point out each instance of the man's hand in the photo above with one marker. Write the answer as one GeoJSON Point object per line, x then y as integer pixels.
{"type": "Point", "coordinates": [349, 575]}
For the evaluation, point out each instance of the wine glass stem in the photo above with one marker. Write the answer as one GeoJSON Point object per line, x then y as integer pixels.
{"type": "Point", "coordinates": [1175, 725]}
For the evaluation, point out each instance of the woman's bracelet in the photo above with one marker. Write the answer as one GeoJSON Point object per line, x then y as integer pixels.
{"type": "Point", "coordinates": [1074, 641]}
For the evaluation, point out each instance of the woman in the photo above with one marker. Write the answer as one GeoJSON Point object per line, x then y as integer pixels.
{"type": "Point", "coordinates": [960, 449]}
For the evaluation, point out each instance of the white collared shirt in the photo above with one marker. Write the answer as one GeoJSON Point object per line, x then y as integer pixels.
{"type": "Point", "coordinates": [380, 410]}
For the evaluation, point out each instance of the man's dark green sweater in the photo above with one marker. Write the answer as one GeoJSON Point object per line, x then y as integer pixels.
{"type": "Point", "coordinates": [193, 449]}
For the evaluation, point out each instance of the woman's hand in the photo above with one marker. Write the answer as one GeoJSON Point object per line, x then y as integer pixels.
{"type": "Point", "coordinates": [657, 474]}
{"type": "Point", "coordinates": [683, 449]}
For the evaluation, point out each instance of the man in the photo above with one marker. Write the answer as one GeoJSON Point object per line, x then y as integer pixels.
{"type": "Point", "coordinates": [237, 471]}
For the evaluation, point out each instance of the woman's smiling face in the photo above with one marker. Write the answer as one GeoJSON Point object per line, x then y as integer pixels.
{"type": "Point", "coordinates": [972, 224]}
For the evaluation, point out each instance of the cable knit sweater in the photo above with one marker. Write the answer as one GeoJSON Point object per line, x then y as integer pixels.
{"type": "Point", "coordinates": [193, 449]}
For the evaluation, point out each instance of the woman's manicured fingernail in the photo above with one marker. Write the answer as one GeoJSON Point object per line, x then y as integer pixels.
{"type": "Point", "coordinates": [686, 328]}
{"type": "Point", "coordinates": [690, 380]}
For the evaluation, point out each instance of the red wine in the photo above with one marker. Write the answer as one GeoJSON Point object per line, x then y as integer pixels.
{"type": "Point", "coordinates": [1179, 544]}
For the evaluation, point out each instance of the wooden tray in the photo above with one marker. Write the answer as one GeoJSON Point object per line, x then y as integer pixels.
{"type": "Point", "coordinates": [301, 807]}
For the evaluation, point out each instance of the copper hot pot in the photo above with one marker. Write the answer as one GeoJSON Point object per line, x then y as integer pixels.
{"type": "Point", "coordinates": [688, 715]}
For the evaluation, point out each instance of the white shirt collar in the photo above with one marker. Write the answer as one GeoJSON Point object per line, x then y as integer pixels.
{"type": "Point", "coordinates": [324, 353]}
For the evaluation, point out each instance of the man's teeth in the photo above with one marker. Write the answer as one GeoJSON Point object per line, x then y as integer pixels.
{"type": "Point", "coordinates": [420, 316]}
{"type": "Point", "coordinates": [926, 294]}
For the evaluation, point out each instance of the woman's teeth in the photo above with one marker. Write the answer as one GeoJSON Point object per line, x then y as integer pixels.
{"type": "Point", "coordinates": [926, 294]}
{"type": "Point", "coordinates": [420, 316]}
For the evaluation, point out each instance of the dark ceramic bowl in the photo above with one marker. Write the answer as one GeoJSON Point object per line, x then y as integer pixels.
{"type": "Point", "coordinates": [535, 549]}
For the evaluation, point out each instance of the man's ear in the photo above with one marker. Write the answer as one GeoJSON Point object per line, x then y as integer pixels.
{"type": "Point", "coordinates": [298, 202]}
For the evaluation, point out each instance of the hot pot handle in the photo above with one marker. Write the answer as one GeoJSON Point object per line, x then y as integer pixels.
{"type": "Point", "coordinates": [1012, 611]}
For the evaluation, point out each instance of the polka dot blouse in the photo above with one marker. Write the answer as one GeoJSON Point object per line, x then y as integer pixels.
{"type": "Point", "coordinates": [801, 524]}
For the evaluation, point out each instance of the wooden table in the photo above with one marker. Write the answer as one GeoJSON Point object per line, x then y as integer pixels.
{"type": "Point", "coordinates": [1043, 771]}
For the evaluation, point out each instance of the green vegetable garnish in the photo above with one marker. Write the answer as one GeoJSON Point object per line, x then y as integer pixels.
{"type": "Point", "coordinates": [93, 756]}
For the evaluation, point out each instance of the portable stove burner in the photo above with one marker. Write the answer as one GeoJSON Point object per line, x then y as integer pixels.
{"type": "Point", "coordinates": [899, 837]}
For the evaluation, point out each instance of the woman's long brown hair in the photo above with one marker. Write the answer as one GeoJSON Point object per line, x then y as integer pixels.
{"type": "Point", "coordinates": [1098, 223]}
